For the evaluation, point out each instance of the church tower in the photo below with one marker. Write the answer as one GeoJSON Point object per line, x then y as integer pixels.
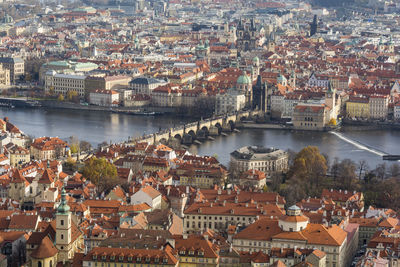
{"type": "Point", "coordinates": [314, 26]}
{"type": "Point", "coordinates": [243, 85]}
{"type": "Point", "coordinates": [330, 100]}
{"type": "Point", "coordinates": [260, 95]}
{"type": "Point", "coordinates": [292, 80]}
{"type": "Point", "coordinates": [246, 36]}
{"type": "Point", "coordinates": [255, 68]}
{"type": "Point", "coordinates": [390, 46]}
{"type": "Point", "coordinates": [63, 229]}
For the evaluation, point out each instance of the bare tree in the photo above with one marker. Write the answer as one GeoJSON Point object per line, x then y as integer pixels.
{"type": "Point", "coordinates": [394, 170]}
{"type": "Point", "coordinates": [362, 167]}
{"type": "Point", "coordinates": [381, 171]}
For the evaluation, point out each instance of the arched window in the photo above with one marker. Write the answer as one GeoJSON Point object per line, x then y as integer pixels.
{"type": "Point", "coordinates": [51, 263]}
{"type": "Point", "coordinates": [62, 236]}
{"type": "Point", "coordinates": [39, 264]}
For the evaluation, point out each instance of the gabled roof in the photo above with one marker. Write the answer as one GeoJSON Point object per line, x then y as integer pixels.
{"type": "Point", "coordinates": [45, 250]}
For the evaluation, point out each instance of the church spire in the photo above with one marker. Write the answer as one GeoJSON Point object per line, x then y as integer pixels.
{"type": "Point", "coordinates": [63, 208]}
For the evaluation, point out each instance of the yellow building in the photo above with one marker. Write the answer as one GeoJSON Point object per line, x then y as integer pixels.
{"type": "Point", "coordinates": [125, 257]}
{"type": "Point", "coordinates": [202, 176]}
{"type": "Point", "coordinates": [45, 255]}
{"type": "Point", "coordinates": [155, 164]}
{"type": "Point", "coordinates": [196, 251]}
{"type": "Point", "coordinates": [18, 155]}
{"type": "Point", "coordinates": [357, 107]}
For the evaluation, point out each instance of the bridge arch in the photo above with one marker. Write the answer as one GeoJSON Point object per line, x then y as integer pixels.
{"type": "Point", "coordinates": [178, 136]}
{"type": "Point", "coordinates": [192, 133]}
{"type": "Point", "coordinates": [204, 129]}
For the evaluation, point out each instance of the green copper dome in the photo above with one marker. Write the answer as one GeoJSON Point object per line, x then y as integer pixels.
{"type": "Point", "coordinates": [243, 79]}
{"type": "Point", "coordinates": [256, 59]}
{"type": "Point", "coordinates": [63, 207]}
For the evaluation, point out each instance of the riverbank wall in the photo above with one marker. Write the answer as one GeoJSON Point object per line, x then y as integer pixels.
{"type": "Point", "coordinates": [76, 106]}
{"type": "Point", "coordinates": [250, 125]}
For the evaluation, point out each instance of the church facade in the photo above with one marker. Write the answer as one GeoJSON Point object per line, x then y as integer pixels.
{"type": "Point", "coordinates": [246, 36]}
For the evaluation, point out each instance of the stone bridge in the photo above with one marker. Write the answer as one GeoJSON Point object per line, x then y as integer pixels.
{"type": "Point", "coordinates": [199, 130]}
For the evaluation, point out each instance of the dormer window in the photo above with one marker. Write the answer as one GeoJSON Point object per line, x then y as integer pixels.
{"type": "Point", "coordinates": [130, 258]}
{"type": "Point", "coordinates": [103, 257]}
{"type": "Point", "coordinates": [156, 260]}
{"type": "Point", "coordinates": [165, 260]}
{"type": "Point", "coordinates": [182, 252]}
{"type": "Point", "coordinates": [191, 252]}
{"type": "Point", "coordinates": [121, 258]}
{"type": "Point", "coordinates": [94, 256]}
{"type": "Point", "coordinates": [112, 257]}
{"type": "Point", "coordinates": [201, 253]}
{"type": "Point", "coordinates": [139, 259]}
{"type": "Point", "coordinates": [147, 259]}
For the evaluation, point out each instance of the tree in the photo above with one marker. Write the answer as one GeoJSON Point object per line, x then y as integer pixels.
{"type": "Point", "coordinates": [362, 167]}
{"type": "Point", "coordinates": [71, 95]}
{"type": "Point", "coordinates": [309, 165]}
{"type": "Point", "coordinates": [380, 171]}
{"type": "Point", "coordinates": [74, 144]}
{"type": "Point", "coordinates": [60, 98]}
{"type": "Point", "coordinates": [100, 172]}
{"type": "Point", "coordinates": [332, 122]}
{"type": "Point", "coordinates": [335, 168]}
{"type": "Point", "coordinates": [394, 171]}
{"type": "Point", "coordinates": [85, 146]}
{"type": "Point", "coordinates": [347, 174]}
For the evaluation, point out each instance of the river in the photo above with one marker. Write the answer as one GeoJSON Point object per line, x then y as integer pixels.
{"type": "Point", "coordinates": [97, 127]}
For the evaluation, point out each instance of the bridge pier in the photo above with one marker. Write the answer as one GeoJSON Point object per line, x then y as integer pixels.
{"type": "Point", "coordinates": [213, 131]}
{"type": "Point", "coordinates": [202, 135]}
{"type": "Point", "coordinates": [226, 127]}
{"type": "Point", "coordinates": [187, 139]}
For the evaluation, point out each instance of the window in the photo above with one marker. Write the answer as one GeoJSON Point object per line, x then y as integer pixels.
{"type": "Point", "coordinates": [62, 236]}
{"type": "Point", "coordinates": [62, 222]}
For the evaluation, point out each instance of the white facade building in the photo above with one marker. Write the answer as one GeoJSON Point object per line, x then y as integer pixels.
{"type": "Point", "coordinates": [378, 106]}
{"type": "Point", "coordinates": [229, 102]}
{"type": "Point", "coordinates": [61, 83]}
{"type": "Point", "coordinates": [397, 111]}
{"type": "Point", "coordinates": [104, 98]}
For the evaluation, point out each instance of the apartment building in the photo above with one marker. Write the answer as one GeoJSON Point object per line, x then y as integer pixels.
{"type": "Point", "coordinates": [61, 83]}
{"type": "Point", "coordinates": [4, 75]}
{"type": "Point", "coordinates": [16, 66]}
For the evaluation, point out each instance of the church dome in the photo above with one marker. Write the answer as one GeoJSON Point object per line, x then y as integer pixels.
{"type": "Point", "coordinates": [256, 59]}
{"type": "Point", "coordinates": [294, 220]}
{"type": "Point", "coordinates": [243, 79]}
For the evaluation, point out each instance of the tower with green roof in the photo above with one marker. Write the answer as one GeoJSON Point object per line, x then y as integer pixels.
{"type": "Point", "coordinates": [64, 229]}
